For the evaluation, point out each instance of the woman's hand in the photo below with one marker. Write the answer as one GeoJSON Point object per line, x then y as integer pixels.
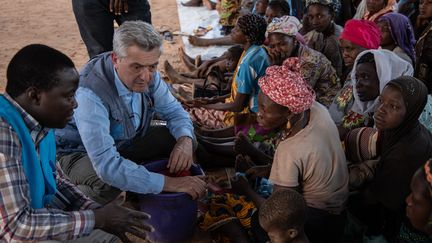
{"type": "Point", "coordinates": [240, 185]}
{"type": "Point", "coordinates": [261, 171]}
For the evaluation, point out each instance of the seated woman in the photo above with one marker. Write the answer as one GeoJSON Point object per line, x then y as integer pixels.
{"type": "Point", "coordinates": [249, 32]}
{"type": "Point", "coordinates": [373, 69]}
{"type": "Point", "coordinates": [404, 145]}
{"type": "Point", "coordinates": [357, 36]}
{"type": "Point", "coordinates": [397, 36]}
{"type": "Point", "coordinates": [260, 7]}
{"type": "Point", "coordinates": [314, 66]}
{"type": "Point", "coordinates": [372, 10]}
{"type": "Point", "coordinates": [287, 104]}
{"type": "Point", "coordinates": [276, 9]}
{"type": "Point", "coordinates": [423, 48]}
{"type": "Point", "coordinates": [324, 33]}
{"type": "Point", "coordinates": [419, 208]}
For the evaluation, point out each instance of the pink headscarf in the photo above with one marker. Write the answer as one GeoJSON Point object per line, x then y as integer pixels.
{"type": "Point", "coordinates": [363, 33]}
{"type": "Point", "coordinates": [285, 85]}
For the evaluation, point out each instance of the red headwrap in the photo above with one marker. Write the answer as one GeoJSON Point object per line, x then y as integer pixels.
{"type": "Point", "coordinates": [286, 86]}
{"type": "Point", "coordinates": [363, 33]}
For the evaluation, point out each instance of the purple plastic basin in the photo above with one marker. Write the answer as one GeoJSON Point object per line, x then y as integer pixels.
{"type": "Point", "coordinates": [173, 215]}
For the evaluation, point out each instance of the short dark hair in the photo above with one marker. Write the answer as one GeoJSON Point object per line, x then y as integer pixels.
{"type": "Point", "coordinates": [284, 209]}
{"type": "Point", "coordinates": [36, 66]}
{"type": "Point", "coordinates": [280, 5]}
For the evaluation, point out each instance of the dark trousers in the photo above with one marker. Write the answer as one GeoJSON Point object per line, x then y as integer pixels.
{"type": "Point", "coordinates": [156, 144]}
{"type": "Point", "coordinates": [95, 21]}
{"type": "Point", "coordinates": [322, 226]}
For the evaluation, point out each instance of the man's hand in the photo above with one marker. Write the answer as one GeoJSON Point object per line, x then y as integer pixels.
{"type": "Point", "coordinates": [118, 6]}
{"type": "Point", "coordinates": [195, 186]}
{"type": "Point", "coordinates": [117, 220]}
{"type": "Point", "coordinates": [181, 156]}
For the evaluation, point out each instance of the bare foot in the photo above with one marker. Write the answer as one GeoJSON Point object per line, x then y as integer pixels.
{"type": "Point", "coordinates": [172, 74]}
{"type": "Point", "coordinates": [175, 77]}
{"type": "Point", "coordinates": [198, 41]}
{"type": "Point", "coordinates": [192, 3]}
{"type": "Point", "coordinates": [209, 4]}
{"type": "Point", "coordinates": [198, 61]}
{"type": "Point", "coordinates": [188, 61]}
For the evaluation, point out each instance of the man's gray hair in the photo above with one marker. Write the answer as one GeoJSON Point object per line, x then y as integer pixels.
{"type": "Point", "coordinates": [137, 33]}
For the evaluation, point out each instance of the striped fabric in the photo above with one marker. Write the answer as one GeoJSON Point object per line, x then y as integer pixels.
{"type": "Point", "coordinates": [18, 221]}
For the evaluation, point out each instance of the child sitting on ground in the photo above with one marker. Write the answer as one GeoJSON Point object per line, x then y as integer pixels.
{"type": "Point", "coordinates": [283, 216]}
{"type": "Point", "coordinates": [218, 74]}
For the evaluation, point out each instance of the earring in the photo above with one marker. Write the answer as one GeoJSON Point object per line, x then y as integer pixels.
{"type": "Point", "coordinates": [289, 125]}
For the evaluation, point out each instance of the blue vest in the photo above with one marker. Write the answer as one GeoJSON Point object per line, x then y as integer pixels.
{"type": "Point", "coordinates": [40, 173]}
{"type": "Point", "coordinates": [98, 76]}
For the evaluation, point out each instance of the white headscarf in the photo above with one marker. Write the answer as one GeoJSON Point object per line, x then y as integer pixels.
{"type": "Point", "coordinates": [388, 67]}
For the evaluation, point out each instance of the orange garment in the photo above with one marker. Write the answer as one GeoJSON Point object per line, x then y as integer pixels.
{"type": "Point", "coordinates": [390, 7]}
{"type": "Point", "coordinates": [229, 115]}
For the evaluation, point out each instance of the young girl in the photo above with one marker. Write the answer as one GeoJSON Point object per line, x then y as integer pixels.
{"type": "Point", "coordinates": [404, 143]}
{"type": "Point", "coordinates": [419, 208]}
{"type": "Point", "coordinates": [250, 33]}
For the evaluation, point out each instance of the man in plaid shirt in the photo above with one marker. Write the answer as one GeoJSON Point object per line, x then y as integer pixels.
{"type": "Point", "coordinates": [36, 203]}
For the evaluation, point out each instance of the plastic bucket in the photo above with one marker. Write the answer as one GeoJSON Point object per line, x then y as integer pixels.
{"type": "Point", "coordinates": [173, 215]}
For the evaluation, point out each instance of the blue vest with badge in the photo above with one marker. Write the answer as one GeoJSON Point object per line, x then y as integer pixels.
{"type": "Point", "coordinates": [98, 76]}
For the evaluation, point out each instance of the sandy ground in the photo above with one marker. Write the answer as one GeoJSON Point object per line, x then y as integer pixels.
{"type": "Point", "coordinates": [52, 23]}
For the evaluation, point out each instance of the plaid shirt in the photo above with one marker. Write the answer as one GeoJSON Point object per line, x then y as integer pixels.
{"type": "Point", "coordinates": [20, 222]}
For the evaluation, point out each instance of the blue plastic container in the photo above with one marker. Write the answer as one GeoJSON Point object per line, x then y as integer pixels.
{"type": "Point", "coordinates": [173, 215]}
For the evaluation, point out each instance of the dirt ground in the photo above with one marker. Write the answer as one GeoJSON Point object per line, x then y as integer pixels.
{"type": "Point", "coordinates": [52, 23]}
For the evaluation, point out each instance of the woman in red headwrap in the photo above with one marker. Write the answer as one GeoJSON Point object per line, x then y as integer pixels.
{"type": "Point", "coordinates": [309, 157]}
{"type": "Point", "coordinates": [357, 36]}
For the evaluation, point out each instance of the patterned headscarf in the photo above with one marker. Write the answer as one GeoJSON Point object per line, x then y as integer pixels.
{"type": "Point", "coordinates": [254, 27]}
{"type": "Point", "coordinates": [363, 33]}
{"type": "Point", "coordinates": [286, 86]}
{"type": "Point", "coordinates": [334, 5]}
{"type": "Point", "coordinates": [401, 32]}
{"type": "Point", "coordinates": [287, 25]}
